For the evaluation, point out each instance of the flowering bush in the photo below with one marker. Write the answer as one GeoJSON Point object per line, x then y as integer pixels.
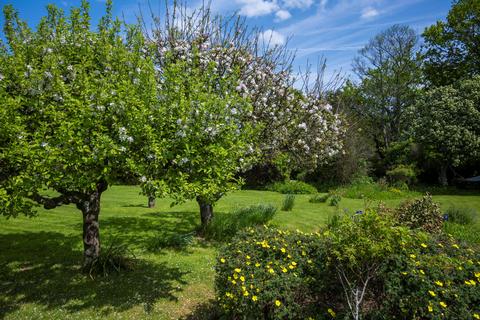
{"type": "Point", "coordinates": [421, 213]}
{"type": "Point", "coordinates": [437, 278]}
{"type": "Point", "coordinates": [361, 266]}
{"type": "Point", "coordinates": [266, 273]}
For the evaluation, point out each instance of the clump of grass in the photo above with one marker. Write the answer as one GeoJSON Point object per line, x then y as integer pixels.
{"type": "Point", "coordinates": [366, 188]}
{"type": "Point", "coordinates": [288, 202]}
{"type": "Point", "coordinates": [467, 233]}
{"type": "Point", "coordinates": [176, 241]}
{"type": "Point", "coordinates": [225, 225]}
{"type": "Point", "coordinates": [115, 258]}
{"type": "Point", "coordinates": [461, 215]}
{"type": "Point", "coordinates": [317, 198]}
{"type": "Point", "coordinates": [335, 200]}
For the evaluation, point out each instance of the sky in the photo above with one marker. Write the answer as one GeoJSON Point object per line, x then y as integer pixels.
{"type": "Point", "coordinates": [332, 29]}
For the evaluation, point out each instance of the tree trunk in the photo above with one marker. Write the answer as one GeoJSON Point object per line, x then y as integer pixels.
{"type": "Point", "coordinates": [151, 202]}
{"type": "Point", "coordinates": [206, 212]}
{"type": "Point", "coordinates": [442, 178]}
{"type": "Point", "coordinates": [90, 207]}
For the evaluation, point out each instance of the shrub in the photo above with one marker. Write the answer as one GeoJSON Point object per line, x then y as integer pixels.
{"type": "Point", "coordinates": [318, 198]}
{"type": "Point", "coordinates": [335, 199]}
{"type": "Point", "coordinates": [225, 226]}
{"type": "Point", "coordinates": [402, 174]}
{"type": "Point", "coordinates": [421, 213]}
{"type": "Point", "coordinates": [288, 202]}
{"type": "Point", "coordinates": [436, 279]}
{"type": "Point", "coordinates": [292, 187]}
{"type": "Point", "coordinates": [264, 274]}
{"type": "Point", "coordinates": [461, 215]}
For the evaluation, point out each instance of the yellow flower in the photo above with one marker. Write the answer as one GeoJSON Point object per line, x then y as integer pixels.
{"type": "Point", "coordinates": [456, 246]}
{"type": "Point", "coordinates": [271, 270]}
{"type": "Point", "coordinates": [477, 274]}
{"type": "Point", "coordinates": [257, 264]}
{"type": "Point", "coordinates": [248, 257]}
{"type": "Point", "coordinates": [234, 282]}
{"type": "Point", "coordinates": [291, 267]}
{"type": "Point", "coordinates": [309, 261]}
{"type": "Point", "coordinates": [430, 308]}
{"type": "Point", "coordinates": [423, 245]}
{"type": "Point", "coordinates": [331, 312]}
{"type": "Point", "coordinates": [413, 256]}
{"type": "Point", "coordinates": [422, 272]}
{"type": "Point", "coordinates": [235, 276]}
{"type": "Point", "coordinates": [254, 298]}
{"type": "Point", "coordinates": [222, 260]}
{"type": "Point", "coordinates": [248, 263]}
{"type": "Point", "coordinates": [294, 263]}
{"type": "Point", "coordinates": [284, 270]}
{"type": "Point", "coordinates": [443, 304]}
{"type": "Point", "coordinates": [238, 270]}
{"type": "Point", "coordinates": [278, 303]}
{"type": "Point", "coordinates": [476, 316]}
{"type": "Point", "coordinates": [283, 250]}
{"type": "Point", "coordinates": [245, 293]}
{"type": "Point", "coordinates": [470, 282]}
{"type": "Point", "coordinates": [304, 253]}
{"type": "Point", "coordinates": [439, 283]}
{"type": "Point", "coordinates": [242, 278]}
{"type": "Point", "coordinates": [432, 293]}
{"type": "Point", "coordinates": [404, 273]}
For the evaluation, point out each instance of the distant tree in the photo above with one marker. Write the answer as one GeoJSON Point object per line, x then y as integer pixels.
{"type": "Point", "coordinates": [452, 47]}
{"type": "Point", "coordinates": [445, 121]}
{"type": "Point", "coordinates": [74, 115]}
{"type": "Point", "coordinates": [388, 68]}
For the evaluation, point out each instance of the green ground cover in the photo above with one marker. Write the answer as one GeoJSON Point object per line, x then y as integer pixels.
{"type": "Point", "coordinates": [40, 257]}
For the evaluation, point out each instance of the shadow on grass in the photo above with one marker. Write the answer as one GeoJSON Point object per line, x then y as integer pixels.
{"type": "Point", "coordinates": [205, 311]}
{"type": "Point", "coordinates": [44, 268]}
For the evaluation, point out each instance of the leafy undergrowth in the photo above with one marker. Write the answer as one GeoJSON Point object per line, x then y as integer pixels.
{"type": "Point", "coordinates": [366, 188]}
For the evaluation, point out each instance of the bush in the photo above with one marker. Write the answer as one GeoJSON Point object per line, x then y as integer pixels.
{"type": "Point", "coordinates": [225, 226]}
{"type": "Point", "coordinates": [264, 274]}
{"type": "Point", "coordinates": [436, 279]}
{"type": "Point", "coordinates": [292, 187]}
{"type": "Point", "coordinates": [318, 198]}
{"type": "Point", "coordinates": [402, 174]}
{"type": "Point", "coordinates": [361, 266]}
{"type": "Point", "coordinates": [335, 199]}
{"type": "Point", "coordinates": [461, 215]}
{"type": "Point", "coordinates": [288, 202]}
{"type": "Point", "coordinates": [421, 213]}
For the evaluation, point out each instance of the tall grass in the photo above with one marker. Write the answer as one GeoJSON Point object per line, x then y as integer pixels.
{"type": "Point", "coordinates": [288, 202]}
{"type": "Point", "coordinates": [461, 215]}
{"type": "Point", "coordinates": [225, 225]}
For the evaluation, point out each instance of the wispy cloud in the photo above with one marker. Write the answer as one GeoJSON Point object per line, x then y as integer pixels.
{"type": "Point", "coordinates": [369, 13]}
{"type": "Point", "coordinates": [272, 38]}
{"type": "Point", "coordinates": [282, 15]}
{"type": "Point", "coordinates": [256, 8]}
{"type": "Point", "coordinates": [301, 4]}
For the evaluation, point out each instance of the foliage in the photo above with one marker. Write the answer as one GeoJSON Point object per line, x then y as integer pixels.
{"type": "Point", "coordinates": [461, 215]}
{"type": "Point", "coordinates": [177, 241]}
{"type": "Point", "coordinates": [451, 46]}
{"type": "Point", "coordinates": [317, 198]}
{"type": "Point", "coordinates": [76, 107]}
{"type": "Point", "coordinates": [288, 202]}
{"type": "Point", "coordinates": [421, 213]}
{"type": "Point", "coordinates": [402, 174]}
{"type": "Point", "coordinates": [265, 273]}
{"type": "Point", "coordinates": [225, 226]}
{"type": "Point", "coordinates": [444, 121]}
{"type": "Point", "coordinates": [114, 258]}
{"type": "Point", "coordinates": [292, 187]}
{"type": "Point", "coordinates": [334, 199]}
{"type": "Point", "coordinates": [389, 71]}
{"type": "Point", "coordinates": [437, 278]}
{"type": "Point", "coordinates": [366, 188]}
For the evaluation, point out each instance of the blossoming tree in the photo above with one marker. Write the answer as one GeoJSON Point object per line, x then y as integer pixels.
{"type": "Point", "coordinates": [75, 108]}
{"type": "Point", "coordinates": [288, 123]}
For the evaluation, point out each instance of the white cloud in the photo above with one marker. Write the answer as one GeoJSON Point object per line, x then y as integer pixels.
{"type": "Point", "coordinates": [272, 38]}
{"type": "Point", "coordinates": [282, 15]}
{"type": "Point", "coordinates": [369, 13]}
{"type": "Point", "coordinates": [255, 8]}
{"type": "Point", "coordinates": [303, 4]}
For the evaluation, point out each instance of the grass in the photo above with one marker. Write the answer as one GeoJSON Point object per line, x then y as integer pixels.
{"type": "Point", "coordinates": [40, 257]}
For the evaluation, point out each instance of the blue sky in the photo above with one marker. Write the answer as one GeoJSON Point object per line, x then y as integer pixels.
{"type": "Point", "coordinates": [334, 29]}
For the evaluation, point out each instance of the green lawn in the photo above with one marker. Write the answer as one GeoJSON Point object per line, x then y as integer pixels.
{"type": "Point", "coordinates": [40, 257]}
